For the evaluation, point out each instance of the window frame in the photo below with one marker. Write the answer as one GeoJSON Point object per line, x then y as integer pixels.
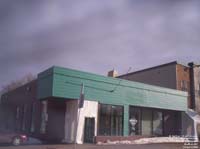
{"type": "Point", "coordinates": [110, 116]}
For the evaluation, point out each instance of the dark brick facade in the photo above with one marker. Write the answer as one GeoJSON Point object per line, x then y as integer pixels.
{"type": "Point", "coordinates": [19, 104]}
{"type": "Point", "coordinates": [17, 113]}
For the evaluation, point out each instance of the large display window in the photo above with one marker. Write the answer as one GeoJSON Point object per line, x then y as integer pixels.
{"type": "Point", "coordinates": [110, 120]}
{"type": "Point", "coordinates": [145, 121]}
{"type": "Point", "coordinates": [134, 121]}
{"type": "Point", "coordinates": [157, 123]}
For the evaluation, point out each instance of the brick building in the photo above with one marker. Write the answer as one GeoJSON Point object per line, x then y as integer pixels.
{"type": "Point", "coordinates": [173, 75]}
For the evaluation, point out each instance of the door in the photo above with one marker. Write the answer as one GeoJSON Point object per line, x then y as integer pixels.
{"type": "Point", "coordinates": [89, 130]}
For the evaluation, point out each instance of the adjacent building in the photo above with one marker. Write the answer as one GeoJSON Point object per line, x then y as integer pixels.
{"type": "Point", "coordinates": [174, 75]}
{"type": "Point", "coordinates": [47, 108]}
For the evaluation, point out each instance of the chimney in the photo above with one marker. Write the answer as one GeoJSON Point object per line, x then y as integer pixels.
{"type": "Point", "coordinates": [113, 73]}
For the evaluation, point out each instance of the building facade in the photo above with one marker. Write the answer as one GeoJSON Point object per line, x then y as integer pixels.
{"type": "Point", "coordinates": [172, 75]}
{"type": "Point", "coordinates": [196, 87]}
{"type": "Point", "coordinates": [48, 108]}
{"type": "Point", "coordinates": [176, 76]}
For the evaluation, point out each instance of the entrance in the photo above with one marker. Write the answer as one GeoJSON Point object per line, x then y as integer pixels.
{"type": "Point", "coordinates": [89, 130]}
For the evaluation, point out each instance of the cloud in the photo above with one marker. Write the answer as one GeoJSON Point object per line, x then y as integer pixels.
{"type": "Point", "coordinates": [96, 35]}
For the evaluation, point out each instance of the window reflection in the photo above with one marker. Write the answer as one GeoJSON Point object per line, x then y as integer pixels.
{"type": "Point", "coordinates": [111, 120]}
{"type": "Point", "coordinates": [157, 123]}
{"type": "Point", "coordinates": [134, 121]}
{"type": "Point", "coordinates": [145, 121]}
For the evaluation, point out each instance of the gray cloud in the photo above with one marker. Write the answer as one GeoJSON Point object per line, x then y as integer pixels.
{"type": "Point", "coordinates": [96, 35]}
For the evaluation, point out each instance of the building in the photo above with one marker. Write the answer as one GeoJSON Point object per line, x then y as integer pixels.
{"type": "Point", "coordinates": [173, 75]}
{"type": "Point", "coordinates": [47, 108]}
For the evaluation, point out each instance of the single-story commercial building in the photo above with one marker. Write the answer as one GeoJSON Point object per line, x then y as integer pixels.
{"type": "Point", "coordinates": [47, 107]}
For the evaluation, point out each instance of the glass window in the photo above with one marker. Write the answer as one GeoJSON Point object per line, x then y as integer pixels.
{"type": "Point", "coordinates": [33, 117]}
{"type": "Point", "coordinates": [146, 122]}
{"type": "Point", "coordinates": [172, 123]}
{"type": "Point", "coordinates": [134, 121]}
{"type": "Point", "coordinates": [18, 124]}
{"type": "Point", "coordinates": [157, 123]}
{"type": "Point", "coordinates": [44, 117]}
{"type": "Point", "coordinates": [104, 120]}
{"type": "Point", "coordinates": [143, 121]}
{"type": "Point", "coordinates": [111, 120]}
{"type": "Point", "coordinates": [17, 112]}
{"type": "Point", "coordinates": [116, 120]}
{"type": "Point", "coordinates": [24, 117]}
{"type": "Point", "coordinates": [184, 85]}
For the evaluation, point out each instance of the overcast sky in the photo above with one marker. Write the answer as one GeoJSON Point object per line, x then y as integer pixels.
{"type": "Point", "coordinates": [96, 35]}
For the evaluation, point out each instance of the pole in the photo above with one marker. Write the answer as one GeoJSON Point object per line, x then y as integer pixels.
{"type": "Point", "coordinates": [79, 107]}
{"type": "Point", "coordinates": [77, 121]}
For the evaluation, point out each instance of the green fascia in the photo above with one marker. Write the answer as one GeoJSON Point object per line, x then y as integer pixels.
{"type": "Point", "coordinates": [126, 121]}
{"type": "Point", "coordinates": [45, 84]}
{"type": "Point", "coordinates": [64, 83]}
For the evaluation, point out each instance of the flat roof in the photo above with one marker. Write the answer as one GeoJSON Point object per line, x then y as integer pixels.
{"type": "Point", "coordinates": [154, 67]}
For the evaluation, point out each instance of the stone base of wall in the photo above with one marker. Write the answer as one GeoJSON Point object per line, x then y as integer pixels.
{"type": "Point", "coordinates": [105, 139]}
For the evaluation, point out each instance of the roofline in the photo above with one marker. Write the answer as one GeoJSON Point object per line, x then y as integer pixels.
{"type": "Point", "coordinates": [162, 65]}
{"type": "Point", "coordinates": [17, 88]}
{"type": "Point", "coordinates": [167, 90]}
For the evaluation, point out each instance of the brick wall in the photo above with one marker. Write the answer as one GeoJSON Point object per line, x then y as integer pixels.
{"type": "Point", "coordinates": [183, 80]}
{"type": "Point", "coordinates": [21, 98]}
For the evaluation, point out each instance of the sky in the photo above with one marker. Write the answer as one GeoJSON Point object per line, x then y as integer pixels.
{"type": "Point", "coordinates": [96, 35]}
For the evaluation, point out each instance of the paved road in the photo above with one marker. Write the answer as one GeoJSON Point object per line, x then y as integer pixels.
{"type": "Point", "coordinates": [88, 146]}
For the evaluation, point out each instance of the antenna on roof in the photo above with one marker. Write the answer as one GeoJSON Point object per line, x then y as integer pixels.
{"type": "Point", "coordinates": [114, 89]}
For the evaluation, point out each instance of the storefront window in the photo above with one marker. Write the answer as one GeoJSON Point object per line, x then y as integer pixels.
{"type": "Point", "coordinates": [172, 123]}
{"type": "Point", "coordinates": [111, 120]}
{"type": "Point", "coordinates": [143, 121]}
{"type": "Point", "coordinates": [146, 122]}
{"type": "Point", "coordinates": [105, 120]}
{"type": "Point", "coordinates": [44, 117]}
{"type": "Point", "coordinates": [33, 116]}
{"type": "Point", "coordinates": [24, 117]}
{"type": "Point", "coordinates": [134, 121]}
{"type": "Point", "coordinates": [157, 123]}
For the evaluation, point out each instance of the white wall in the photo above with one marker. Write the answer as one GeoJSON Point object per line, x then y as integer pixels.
{"type": "Point", "coordinates": [70, 120]}
{"type": "Point", "coordinates": [90, 109]}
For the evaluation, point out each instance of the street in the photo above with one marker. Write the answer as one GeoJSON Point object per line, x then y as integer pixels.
{"type": "Point", "coordinates": [91, 146]}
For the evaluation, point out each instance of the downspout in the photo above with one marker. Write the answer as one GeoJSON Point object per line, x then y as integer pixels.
{"type": "Point", "coordinates": [192, 85]}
